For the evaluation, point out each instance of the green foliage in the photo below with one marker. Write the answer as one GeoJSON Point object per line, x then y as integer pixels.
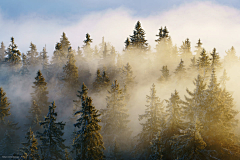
{"type": "Point", "coordinates": [138, 40]}
{"type": "Point", "coordinates": [88, 142]}
{"type": "Point", "coordinates": [34, 117]}
{"type": "Point", "coordinates": [154, 123]}
{"type": "Point", "coordinates": [4, 104]}
{"type": "Point", "coordinates": [165, 74]}
{"type": "Point", "coordinates": [199, 49]}
{"type": "Point", "coordinates": [115, 118]}
{"type": "Point", "coordinates": [185, 50]}
{"type": "Point", "coordinates": [32, 56]}
{"type": "Point", "coordinates": [52, 146]}
{"type": "Point", "coordinates": [216, 60]}
{"type": "Point", "coordinates": [40, 93]}
{"type": "Point", "coordinates": [14, 55]}
{"type": "Point", "coordinates": [203, 63]}
{"type": "Point", "coordinates": [30, 150]}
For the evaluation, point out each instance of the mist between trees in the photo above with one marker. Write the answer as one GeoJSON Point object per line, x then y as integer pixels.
{"type": "Point", "coordinates": [166, 102]}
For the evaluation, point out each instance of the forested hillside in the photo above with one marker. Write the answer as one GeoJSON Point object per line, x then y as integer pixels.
{"type": "Point", "coordinates": [161, 102]}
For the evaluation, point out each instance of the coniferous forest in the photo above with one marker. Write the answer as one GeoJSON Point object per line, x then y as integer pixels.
{"type": "Point", "coordinates": [163, 102]}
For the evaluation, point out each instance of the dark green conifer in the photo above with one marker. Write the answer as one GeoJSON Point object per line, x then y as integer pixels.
{"type": "Point", "coordinates": [40, 93]}
{"type": "Point", "coordinates": [199, 49]}
{"type": "Point", "coordinates": [30, 149]}
{"type": "Point", "coordinates": [203, 63]}
{"type": "Point", "coordinates": [115, 118]}
{"type": "Point", "coordinates": [32, 56]}
{"type": "Point", "coordinates": [88, 142]}
{"type": "Point", "coordinates": [165, 74]}
{"type": "Point", "coordinates": [216, 60]}
{"type": "Point", "coordinates": [138, 40]}
{"type": "Point", "coordinates": [180, 71]}
{"type": "Point", "coordinates": [65, 44]}
{"type": "Point", "coordinates": [14, 55]}
{"type": "Point", "coordinates": [52, 146]}
{"type": "Point", "coordinates": [154, 123]}
{"type": "Point", "coordinates": [4, 104]}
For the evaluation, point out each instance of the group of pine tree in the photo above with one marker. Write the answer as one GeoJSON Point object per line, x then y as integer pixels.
{"type": "Point", "coordinates": [202, 125]}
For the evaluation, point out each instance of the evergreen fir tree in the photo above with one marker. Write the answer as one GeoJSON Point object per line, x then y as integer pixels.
{"type": "Point", "coordinates": [32, 55]}
{"type": "Point", "coordinates": [30, 150]}
{"type": "Point", "coordinates": [223, 79]}
{"type": "Point", "coordinates": [97, 84]}
{"type": "Point", "coordinates": [87, 47]}
{"type": "Point", "coordinates": [52, 146]}
{"type": "Point", "coordinates": [165, 74]}
{"type": "Point", "coordinates": [127, 75]}
{"type": "Point", "coordinates": [24, 69]}
{"type": "Point", "coordinates": [154, 123]}
{"type": "Point", "coordinates": [115, 118]}
{"type": "Point", "coordinates": [127, 44]}
{"type": "Point", "coordinates": [193, 65]}
{"type": "Point", "coordinates": [199, 49]}
{"type": "Point", "coordinates": [65, 43]}
{"type": "Point", "coordinates": [216, 60]}
{"type": "Point", "coordinates": [164, 45]}
{"type": "Point", "coordinates": [88, 142]}
{"type": "Point", "coordinates": [4, 104]}
{"type": "Point", "coordinates": [44, 60]}
{"type": "Point", "coordinates": [34, 117]}
{"type": "Point", "coordinates": [156, 148]}
{"type": "Point", "coordinates": [220, 120]}
{"type": "Point", "coordinates": [203, 63]}
{"type": "Point", "coordinates": [70, 74]}
{"type": "Point", "coordinates": [195, 105]}
{"type": "Point", "coordinates": [105, 51]}
{"type": "Point", "coordinates": [138, 40]}
{"type": "Point", "coordinates": [230, 59]}
{"type": "Point", "coordinates": [14, 55]}
{"type": "Point", "coordinates": [180, 71]}
{"type": "Point", "coordinates": [191, 145]}
{"type": "Point", "coordinates": [174, 122]}
{"type": "Point", "coordinates": [40, 93]}
{"type": "Point", "coordinates": [185, 50]}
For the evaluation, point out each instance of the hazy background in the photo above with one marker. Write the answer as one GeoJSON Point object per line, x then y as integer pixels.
{"type": "Point", "coordinates": [42, 22]}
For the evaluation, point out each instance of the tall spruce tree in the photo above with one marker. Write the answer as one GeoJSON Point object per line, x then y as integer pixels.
{"type": "Point", "coordinates": [52, 146]}
{"type": "Point", "coordinates": [14, 55]}
{"type": "Point", "coordinates": [180, 71]}
{"type": "Point", "coordinates": [88, 142]}
{"type": "Point", "coordinates": [203, 63]}
{"type": "Point", "coordinates": [70, 74]}
{"type": "Point", "coordinates": [34, 117]}
{"type": "Point", "coordinates": [199, 49]}
{"type": "Point", "coordinates": [220, 120]}
{"type": "Point", "coordinates": [165, 74]}
{"type": "Point", "coordinates": [32, 56]}
{"type": "Point", "coordinates": [4, 105]}
{"type": "Point", "coordinates": [30, 149]}
{"type": "Point", "coordinates": [154, 123]}
{"type": "Point", "coordinates": [174, 122]}
{"type": "Point", "coordinates": [40, 93]}
{"type": "Point", "coordinates": [216, 60]}
{"type": "Point", "coordinates": [138, 40]}
{"type": "Point", "coordinates": [223, 79]}
{"type": "Point", "coordinates": [164, 45]}
{"type": "Point", "coordinates": [230, 59]}
{"type": "Point", "coordinates": [87, 50]}
{"type": "Point", "coordinates": [156, 148]}
{"type": "Point", "coordinates": [115, 118]}
{"type": "Point", "coordinates": [65, 43]}
{"type": "Point", "coordinates": [195, 104]}
{"type": "Point", "coordinates": [191, 145]}
{"type": "Point", "coordinates": [185, 50]}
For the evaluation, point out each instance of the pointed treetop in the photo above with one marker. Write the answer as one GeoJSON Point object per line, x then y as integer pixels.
{"type": "Point", "coordinates": [199, 44]}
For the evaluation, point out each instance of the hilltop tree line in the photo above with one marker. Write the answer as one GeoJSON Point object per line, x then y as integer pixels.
{"type": "Point", "coordinates": [202, 125]}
